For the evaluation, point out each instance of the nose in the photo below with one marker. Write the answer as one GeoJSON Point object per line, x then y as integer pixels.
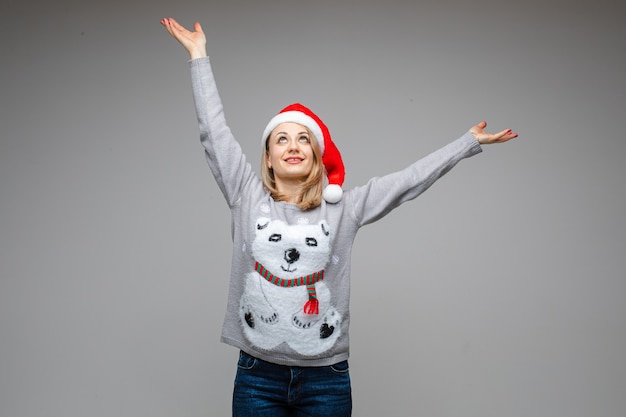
{"type": "Point", "coordinates": [293, 145]}
{"type": "Point", "coordinates": [292, 255]}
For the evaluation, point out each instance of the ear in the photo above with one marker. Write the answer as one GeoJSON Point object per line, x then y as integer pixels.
{"type": "Point", "coordinates": [262, 223]}
{"type": "Point", "coordinates": [267, 158]}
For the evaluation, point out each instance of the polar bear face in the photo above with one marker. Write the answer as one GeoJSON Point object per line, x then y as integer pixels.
{"type": "Point", "coordinates": [291, 251]}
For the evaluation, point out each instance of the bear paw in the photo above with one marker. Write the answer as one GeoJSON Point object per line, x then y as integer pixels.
{"type": "Point", "coordinates": [249, 317]}
{"type": "Point", "coordinates": [328, 326]}
{"type": "Point", "coordinates": [269, 320]}
{"type": "Point", "coordinates": [326, 331]}
{"type": "Point", "coordinates": [303, 322]}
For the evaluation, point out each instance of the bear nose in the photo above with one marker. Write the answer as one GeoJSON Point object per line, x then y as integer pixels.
{"type": "Point", "coordinates": [292, 255]}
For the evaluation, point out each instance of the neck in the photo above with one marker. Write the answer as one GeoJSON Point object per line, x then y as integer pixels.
{"type": "Point", "coordinates": [289, 190]}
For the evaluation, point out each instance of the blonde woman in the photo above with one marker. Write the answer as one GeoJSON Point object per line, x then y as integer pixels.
{"type": "Point", "coordinates": [292, 230]}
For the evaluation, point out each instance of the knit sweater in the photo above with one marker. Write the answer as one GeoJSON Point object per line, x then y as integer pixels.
{"type": "Point", "coordinates": [289, 292]}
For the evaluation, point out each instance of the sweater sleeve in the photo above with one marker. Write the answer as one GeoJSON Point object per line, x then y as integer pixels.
{"type": "Point", "coordinates": [224, 154]}
{"type": "Point", "coordinates": [382, 194]}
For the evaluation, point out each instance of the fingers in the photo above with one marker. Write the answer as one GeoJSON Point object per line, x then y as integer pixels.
{"type": "Point", "coordinates": [501, 133]}
{"type": "Point", "coordinates": [167, 23]}
{"type": "Point", "coordinates": [177, 26]}
{"type": "Point", "coordinates": [504, 135]}
{"type": "Point", "coordinates": [510, 135]}
{"type": "Point", "coordinates": [172, 25]}
{"type": "Point", "coordinates": [179, 32]}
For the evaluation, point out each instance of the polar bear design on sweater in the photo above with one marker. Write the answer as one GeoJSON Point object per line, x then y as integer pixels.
{"type": "Point", "coordinates": [285, 299]}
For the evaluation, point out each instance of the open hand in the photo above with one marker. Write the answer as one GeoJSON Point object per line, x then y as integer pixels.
{"type": "Point", "coordinates": [485, 138]}
{"type": "Point", "coordinates": [194, 42]}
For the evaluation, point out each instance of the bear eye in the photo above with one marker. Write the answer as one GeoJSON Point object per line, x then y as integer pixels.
{"type": "Point", "coordinates": [311, 241]}
{"type": "Point", "coordinates": [275, 237]}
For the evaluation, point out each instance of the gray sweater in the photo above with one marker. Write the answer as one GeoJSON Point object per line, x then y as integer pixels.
{"type": "Point", "coordinates": [289, 290]}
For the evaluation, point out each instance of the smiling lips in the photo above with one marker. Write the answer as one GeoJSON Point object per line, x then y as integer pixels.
{"type": "Point", "coordinates": [294, 160]}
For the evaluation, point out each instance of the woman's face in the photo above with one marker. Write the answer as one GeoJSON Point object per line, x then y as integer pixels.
{"type": "Point", "coordinates": [290, 153]}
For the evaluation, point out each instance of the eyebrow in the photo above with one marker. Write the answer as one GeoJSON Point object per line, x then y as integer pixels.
{"type": "Point", "coordinates": [304, 132]}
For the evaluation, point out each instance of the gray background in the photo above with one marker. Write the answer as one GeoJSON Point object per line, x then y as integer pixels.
{"type": "Point", "coordinates": [500, 292]}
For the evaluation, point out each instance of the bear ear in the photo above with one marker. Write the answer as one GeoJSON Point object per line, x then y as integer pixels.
{"type": "Point", "coordinates": [262, 223]}
{"type": "Point", "coordinates": [325, 228]}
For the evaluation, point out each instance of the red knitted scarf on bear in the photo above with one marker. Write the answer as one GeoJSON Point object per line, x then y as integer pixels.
{"type": "Point", "coordinates": [312, 305]}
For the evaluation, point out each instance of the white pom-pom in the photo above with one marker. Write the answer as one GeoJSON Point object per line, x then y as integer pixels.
{"type": "Point", "coordinates": [332, 193]}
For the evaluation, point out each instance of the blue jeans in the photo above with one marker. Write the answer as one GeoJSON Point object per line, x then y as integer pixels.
{"type": "Point", "coordinates": [264, 389]}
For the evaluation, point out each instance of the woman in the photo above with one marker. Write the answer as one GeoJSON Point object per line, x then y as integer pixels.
{"type": "Point", "coordinates": [292, 232]}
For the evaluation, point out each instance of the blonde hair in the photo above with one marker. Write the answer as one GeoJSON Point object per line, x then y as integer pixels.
{"type": "Point", "coordinates": [311, 189]}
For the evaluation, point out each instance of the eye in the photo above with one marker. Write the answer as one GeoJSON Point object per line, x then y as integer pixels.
{"type": "Point", "coordinates": [304, 139]}
{"type": "Point", "coordinates": [281, 139]}
{"type": "Point", "coordinates": [275, 237]}
{"type": "Point", "coordinates": [311, 241]}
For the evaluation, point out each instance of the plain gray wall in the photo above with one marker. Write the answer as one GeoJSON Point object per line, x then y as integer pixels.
{"type": "Point", "coordinates": [499, 292]}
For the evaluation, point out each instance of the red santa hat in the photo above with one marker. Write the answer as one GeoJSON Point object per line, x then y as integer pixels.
{"type": "Point", "coordinates": [331, 158]}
